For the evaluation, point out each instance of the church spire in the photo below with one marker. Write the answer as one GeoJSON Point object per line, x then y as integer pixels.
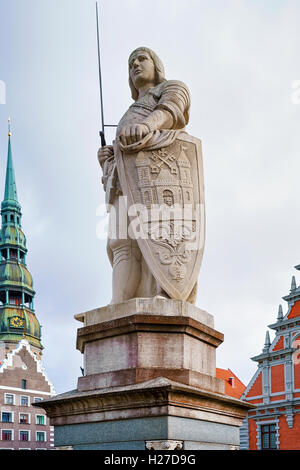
{"type": "Point", "coordinates": [17, 316]}
{"type": "Point", "coordinates": [10, 181]}
{"type": "Point", "coordinates": [10, 202]}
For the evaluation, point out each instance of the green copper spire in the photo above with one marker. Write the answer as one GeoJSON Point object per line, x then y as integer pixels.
{"type": "Point", "coordinates": [10, 202]}
{"type": "Point", "coordinates": [10, 181]}
{"type": "Point", "coordinates": [17, 316]}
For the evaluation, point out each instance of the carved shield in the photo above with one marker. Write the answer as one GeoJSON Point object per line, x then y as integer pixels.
{"type": "Point", "coordinates": [165, 197]}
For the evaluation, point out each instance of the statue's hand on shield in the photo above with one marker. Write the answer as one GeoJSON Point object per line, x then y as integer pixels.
{"type": "Point", "coordinates": [131, 134]}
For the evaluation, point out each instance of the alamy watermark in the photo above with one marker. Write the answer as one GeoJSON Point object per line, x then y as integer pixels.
{"type": "Point", "coordinates": [172, 223]}
{"type": "Point", "coordinates": [295, 96]}
{"type": "Point", "coordinates": [296, 354]}
{"type": "Point", "coordinates": [2, 92]}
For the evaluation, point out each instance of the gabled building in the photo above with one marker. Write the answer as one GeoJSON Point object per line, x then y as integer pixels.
{"type": "Point", "coordinates": [275, 387]}
{"type": "Point", "coordinates": [23, 380]}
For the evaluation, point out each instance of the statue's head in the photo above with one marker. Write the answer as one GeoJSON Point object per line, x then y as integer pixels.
{"type": "Point", "coordinates": [159, 72]}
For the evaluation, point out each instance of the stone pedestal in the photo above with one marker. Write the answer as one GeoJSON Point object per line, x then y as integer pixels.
{"type": "Point", "coordinates": [149, 381]}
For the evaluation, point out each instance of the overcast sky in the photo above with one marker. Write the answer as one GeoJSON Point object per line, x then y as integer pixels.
{"type": "Point", "coordinates": [240, 60]}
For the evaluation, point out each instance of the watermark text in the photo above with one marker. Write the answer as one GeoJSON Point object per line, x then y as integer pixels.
{"type": "Point", "coordinates": [2, 92]}
{"type": "Point", "coordinates": [295, 96]}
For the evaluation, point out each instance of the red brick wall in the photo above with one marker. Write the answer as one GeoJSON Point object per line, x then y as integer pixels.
{"type": "Point", "coordinates": [279, 345]}
{"type": "Point", "coordinates": [295, 310]}
{"type": "Point", "coordinates": [297, 376]}
{"type": "Point", "coordinates": [296, 359]}
{"type": "Point", "coordinates": [290, 437]}
{"type": "Point", "coordinates": [252, 434]}
{"type": "Point", "coordinates": [277, 398]}
{"type": "Point", "coordinates": [277, 378]}
{"type": "Point", "coordinates": [256, 389]}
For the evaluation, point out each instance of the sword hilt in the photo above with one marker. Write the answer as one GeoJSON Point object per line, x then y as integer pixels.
{"type": "Point", "coordinates": [102, 137]}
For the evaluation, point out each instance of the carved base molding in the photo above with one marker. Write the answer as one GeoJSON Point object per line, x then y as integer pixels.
{"type": "Point", "coordinates": [155, 411]}
{"type": "Point", "coordinates": [164, 445]}
{"type": "Point", "coordinates": [64, 448]}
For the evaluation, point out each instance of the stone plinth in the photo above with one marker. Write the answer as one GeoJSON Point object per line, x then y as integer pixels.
{"type": "Point", "coordinates": [149, 381]}
{"type": "Point", "coordinates": [148, 338]}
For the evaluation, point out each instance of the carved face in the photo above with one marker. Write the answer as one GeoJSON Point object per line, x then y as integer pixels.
{"type": "Point", "coordinates": [168, 198]}
{"type": "Point", "coordinates": [142, 69]}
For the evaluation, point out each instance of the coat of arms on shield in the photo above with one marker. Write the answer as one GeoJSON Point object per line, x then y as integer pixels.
{"type": "Point", "coordinates": [165, 192]}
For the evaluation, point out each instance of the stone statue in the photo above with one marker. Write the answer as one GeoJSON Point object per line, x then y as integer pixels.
{"type": "Point", "coordinates": [153, 180]}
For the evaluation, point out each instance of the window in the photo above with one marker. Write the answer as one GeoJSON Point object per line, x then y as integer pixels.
{"type": "Point", "coordinates": [24, 401]}
{"type": "Point", "coordinates": [24, 418]}
{"type": "Point", "coordinates": [13, 254]}
{"type": "Point", "coordinates": [7, 435]}
{"type": "Point", "coordinates": [6, 417]}
{"type": "Point", "coordinates": [24, 384]}
{"type": "Point", "coordinates": [268, 437]}
{"type": "Point", "coordinates": [24, 435]}
{"type": "Point", "coordinates": [37, 399]}
{"type": "Point", "coordinates": [40, 419]}
{"type": "Point", "coordinates": [40, 436]}
{"type": "Point", "coordinates": [9, 399]}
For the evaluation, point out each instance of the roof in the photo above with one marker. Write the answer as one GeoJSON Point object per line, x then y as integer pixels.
{"type": "Point", "coordinates": [234, 388]}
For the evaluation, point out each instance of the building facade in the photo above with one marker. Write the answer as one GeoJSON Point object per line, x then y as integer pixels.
{"type": "Point", "coordinates": [23, 380]}
{"type": "Point", "coordinates": [275, 387]}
